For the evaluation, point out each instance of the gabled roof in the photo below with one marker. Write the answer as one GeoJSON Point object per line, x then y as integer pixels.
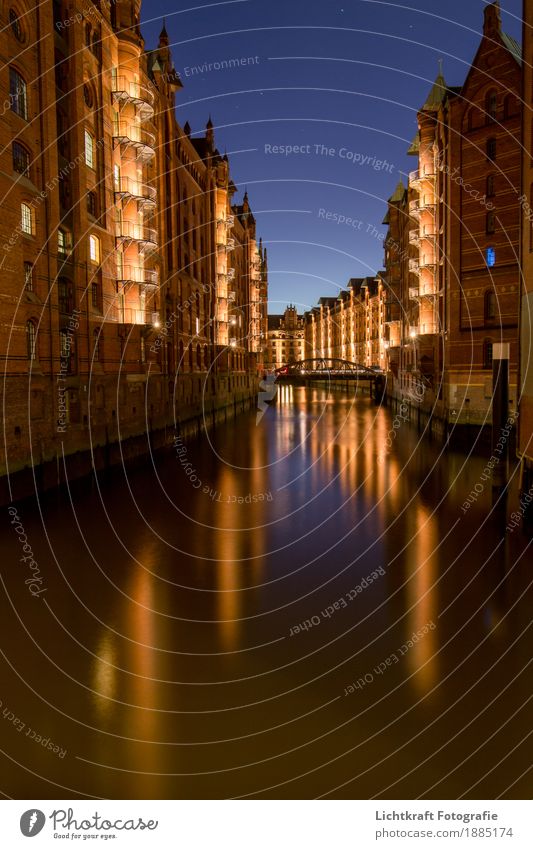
{"type": "Point", "coordinates": [513, 47]}
{"type": "Point", "coordinates": [415, 146]}
{"type": "Point", "coordinates": [399, 193]}
{"type": "Point", "coordinates": [436, 95]}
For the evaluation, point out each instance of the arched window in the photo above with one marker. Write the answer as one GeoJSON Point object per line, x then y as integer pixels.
{"type": "Point", "coordinates": [491, 305]}
{"type": "Point", "coordinates": [18, 94]}
{"type": "Point", "coordinates": [491, 105]}
{"type": "Point", "coordinates": [487, 354]}
{"type": "Point", "coordinates": [31, 340]}
{"type": "Point", "coordinates": [490, 186]}
{"type": "Point", "coordinates": [26, 219]}
{"type": "Point", "coordinates": [16, 26]}
{"type": "Point", "coordinates": [94, 248]}
{"type": "Point", "coordinates": [21, 159]}
{"type": "Point", "coordinates": [491, 222]}
{"type": "Point", "coordinates": [491, 149]}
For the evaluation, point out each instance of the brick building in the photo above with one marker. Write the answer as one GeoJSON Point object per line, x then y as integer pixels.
{"type": "Point", "coordinates": [350, 327]}
{"type": "Point", "coordinates": [286, 343]}
{"type": "Point", "coordinates": [525, 422]}
{"type": "Point", "coordinates": [129, 277]}
{"type": "Point", "coordinates": [452, 247]}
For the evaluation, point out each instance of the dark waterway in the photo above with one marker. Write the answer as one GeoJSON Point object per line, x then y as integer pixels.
{"type": "Point", "coordinates": [247, 630]}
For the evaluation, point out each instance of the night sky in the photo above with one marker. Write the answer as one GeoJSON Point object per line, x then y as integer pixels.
{"type": "Point", "coordinates": [343, 80]}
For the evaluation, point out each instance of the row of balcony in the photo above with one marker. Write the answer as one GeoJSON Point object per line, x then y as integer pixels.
{"type": "Point", "coordinates": [129, 231]}
{"type": "Point", "coordinates": [421, 205]}
{"type": "Point", "coordinates": [142, 98]}
{"type": "Point", "coordinates": [416, 292]}
{"type": "Point", "coordinates": [420, 176]}
{"type": "Point", "coordinates": [128, 188]}
{"type": "Point", "coordinates": [226, 247]}
{"type": "Point", "coordinates": [138, 274]}
{"type": "Point", "coordinates": [130, 135]}
{"type": "Point", "coordinates": [227, 221]}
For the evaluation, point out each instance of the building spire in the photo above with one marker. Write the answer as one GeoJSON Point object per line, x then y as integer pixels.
{"type": "Point", "coordinates": [492, 26]}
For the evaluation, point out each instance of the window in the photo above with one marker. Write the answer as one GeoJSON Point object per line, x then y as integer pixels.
{"type": "Point", "coordinates": [490, 186]}
{"type": "Point", "coordinates": [94, 249]}
{"type": "Point", "coordinates": [491, 149]}
{"type": "Point", "coordinates": [90, 158]}
{"type": "Point", "coordinates": [92, 203]}
{"type": "Point", "coordinates": [143, 350]}
{"type": "Point", "coordinates": [21, 159]}
{"type": "Point", "coordinates": [490, 306]}
{"type": "Point", "coordinates": [491, 106]}
{"type": "Point", "coordinates": [26, 219]}
{"type": "Point", "coordinates": [15, 24]}
{"type": "Point", "coordinates": [487, 354]}
{"type": "Point", "coordinates": [28, 276]}
{"type": "Point", "coordinates": [64, 291]}
{"type": "Point", "coordinates": [88, 95]}
{"type": "Point", "coordinates": [63, 242]}
{"type": "Point", "coordinates": [18, 95]}
{"type": "Point", "coordinates": [31, 340]}
{"type": "Point", "coordinates": [88, 34]}
{"type": "Point", "coordinates": [491, 222]}
{"type": "Point", "coordinates": [96, 295]}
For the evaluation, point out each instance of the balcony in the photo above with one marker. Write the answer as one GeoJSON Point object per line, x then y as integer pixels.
{"type": "Point", "coordinates": [125, 91]}
{"type": "Point", "coordinates": [231, 274]}
{"type": "Point", "coordinates": [420, 176]}
{"type": "Point", "coordinates": [129, 315]}
{"type": "Point", "coordinates": [429, 237]}
{"type": "Point", "coordinates": [414, 208]}
{"type": "Point", "coordinates": [414, 237]}
{"type": "Point", "coordinates": [231, 295]}
{"type": "Point", "coordinates": [414, 293]}
{"type": "Point", "coordinates": [427, 264]}
{"type": "Point", "coordinates": [136, 274]}
{"type": "Point", "coordinates": [131, 135]}
{"type": "Point", "coordinates": [129, 231]}
{"type": "Point", "coordinates": [127, 189]}
{"type": "Point", "coordinates": [230, 244]}
{"type": "Point", "coordinates": [226, 220]}
{"type": "Point", "coordinates": [413, 266]}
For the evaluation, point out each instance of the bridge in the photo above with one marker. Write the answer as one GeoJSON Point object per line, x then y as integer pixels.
{"type": "Point", "coordinates": [328, 368]}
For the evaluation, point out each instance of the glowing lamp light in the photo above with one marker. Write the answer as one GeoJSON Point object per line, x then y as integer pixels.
{"type": "Point", "coordinates": [412, 333]}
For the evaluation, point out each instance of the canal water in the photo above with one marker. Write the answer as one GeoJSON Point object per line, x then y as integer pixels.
{"type": "Point", "coordinates": [294, 607]}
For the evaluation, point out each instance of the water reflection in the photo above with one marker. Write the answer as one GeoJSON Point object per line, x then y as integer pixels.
{"type": "Point", "coordinates": [196, 637]}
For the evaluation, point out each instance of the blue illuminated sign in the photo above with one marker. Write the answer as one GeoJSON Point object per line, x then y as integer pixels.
{"type": "Point", "coordinates": [491, 257]}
